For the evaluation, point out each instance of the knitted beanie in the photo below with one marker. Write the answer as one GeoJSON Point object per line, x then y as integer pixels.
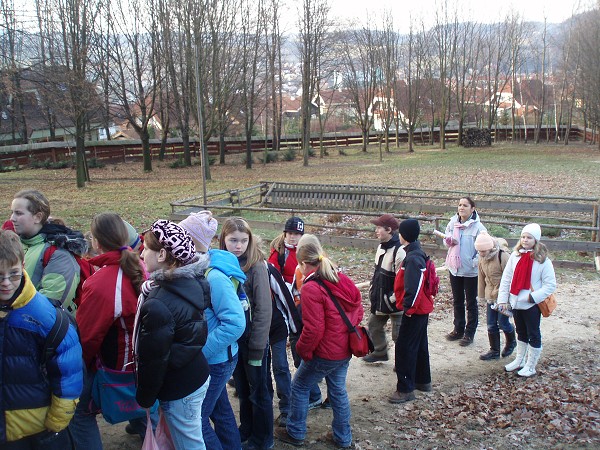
{"type": "Point", "coordinates": [133, 238]}
{"type": "Point", "coordinates": [202, 226]}
{"type": "Point", "coordinates": [534, 230]}
{"type": "Point", "coordinates": [175, 240]}
{"type": "Point", "coordinates": [484, 242]}
{"type": "Point", "coordinates": [410, 229]}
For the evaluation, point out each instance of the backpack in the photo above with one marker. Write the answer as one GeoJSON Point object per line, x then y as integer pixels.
{"type": "Point", "coordinates": [58, 331]}
{"type": "Point", "coordinates": [86, 269]}
{"type": "Point", "coordinates": [432, 280]}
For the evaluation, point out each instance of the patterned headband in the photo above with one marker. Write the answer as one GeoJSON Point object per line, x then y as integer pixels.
{"type": "Point", "coordinates": [175, 240]}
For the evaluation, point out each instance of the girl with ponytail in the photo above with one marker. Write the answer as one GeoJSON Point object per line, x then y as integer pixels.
{"type": "Point", "coordinates": [106, 315]}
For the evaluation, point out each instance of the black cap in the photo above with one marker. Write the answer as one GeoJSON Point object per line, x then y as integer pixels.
{"type": "Point", "coordinates": [410, 229]}
{"type": "Point", "coordinates": [295, 224]}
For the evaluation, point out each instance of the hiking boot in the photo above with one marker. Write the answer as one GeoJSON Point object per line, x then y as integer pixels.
{"type": "Point", "coordinates": [315, 405]}
{"type": "Point", "coordinates": [328, 438]}
{"type": "Point", "coordinates": [494, 351]}
{"type": "Point", "coordinates": [466, 340]}
{"type": "Point", "coordinates": [423, 387]}
{"type": "Point", "coordinates": [281, 421]}
{"type": "Point", "coordinates": [511, 343]}
{"type": "Point", "coordinates": [372, 358]}
{"type": "Point", "coordinates": [454, 336]}
{"type": "Point", "coordinates": [283, 436]}
{"type": "Point", "coordinates": [401, 397]}
{"type": "Point", "coordinates": [326, 404]}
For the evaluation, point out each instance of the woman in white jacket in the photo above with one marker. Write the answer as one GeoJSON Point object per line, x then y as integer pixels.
{"type": "Point", "coordinates": [526, 281]}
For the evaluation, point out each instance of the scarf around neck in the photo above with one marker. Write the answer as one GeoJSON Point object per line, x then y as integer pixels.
{"type": "Point", "coordinates": [522, 275]}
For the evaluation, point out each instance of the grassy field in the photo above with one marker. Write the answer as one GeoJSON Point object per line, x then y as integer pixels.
{"type": "Point", "coordinates": [142, 197]}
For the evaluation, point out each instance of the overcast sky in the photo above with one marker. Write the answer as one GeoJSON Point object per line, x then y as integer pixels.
{"type": "Point", "coordinates": [487, 11]}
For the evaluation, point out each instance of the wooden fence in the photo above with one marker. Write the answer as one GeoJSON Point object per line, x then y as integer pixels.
{"type": "Point", "coordinates": [123, 151]}
{"type": "Point", "coordinates": [576, 218]}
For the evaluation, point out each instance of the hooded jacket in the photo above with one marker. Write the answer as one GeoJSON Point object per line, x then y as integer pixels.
{"type": "Point", "coordinates": [490, 274]}
{"type": "Point", "coordinates": [32, 399]}
{"type": "Point", "coordinates": [469, 258]}
{"type": "Point", "coordinates": [409, 285]}
{"type": "Point", "coordinates": [386, 267]}
{"type": "Point", "coordinates": [171, 333]}
{"type": "Point", "coordinates": [325, 333]}
{"type": "Point", "coordinates": [225, 316]}
{"type": "Point", "coordinates": [291, 262]}
{"type": "Point", "coordinates": [106, 314]}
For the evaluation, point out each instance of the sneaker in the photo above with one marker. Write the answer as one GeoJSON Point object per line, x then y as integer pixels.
{"type": "Point", "coordinates": [283, 436]}
{"type": "Point", "coordinates": [231, 382]}
{"type": "Point", "coordinates": [401, 397]}
{"type": "Point", "coordinates": [281, 421]}
{"type": "Point", "coordinates": [315, 405]}
{"type": "Point", "coordinates": [466, 340]}
{"type": "Point", "coordinates": [423, 387]}
{"type": "Point", "coordinates": [454, 336]}
{"type": "Point", "coordinates": [328, 438]}
{"type": "Point", "coordinates": [372, 358]}
{"type": "Point", "coordinates": [326, 404]}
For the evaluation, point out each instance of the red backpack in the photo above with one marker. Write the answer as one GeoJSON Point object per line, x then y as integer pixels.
{"type": "Point", "coordinates": [86, 269]}
{"type": "Point", "coordinates": [432, 281]}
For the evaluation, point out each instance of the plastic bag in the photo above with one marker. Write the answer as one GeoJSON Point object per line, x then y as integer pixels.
{"type": "Point", "coordinates": [162, 435]}
{"type": "Point", "coordinates": [149, 439]}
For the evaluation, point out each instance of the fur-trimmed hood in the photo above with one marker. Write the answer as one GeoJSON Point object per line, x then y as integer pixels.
{"type": "Point", "coordinates": [192, 270]}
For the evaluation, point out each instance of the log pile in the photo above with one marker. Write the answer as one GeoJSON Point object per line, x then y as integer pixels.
{"type": "Point", "coordinates": [477, 137]}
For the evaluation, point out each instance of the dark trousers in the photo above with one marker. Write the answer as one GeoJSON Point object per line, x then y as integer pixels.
{"type": "Point", "coordinates": [256, 404]}
{"type": "Point", "coordinates": [412, 353]}
{"type": "Point", "coordinates": [465, 289]}
{"type": "Point", "coordinates": [45, 440]}
{"type": "Point", "coordinates": [527, 324]}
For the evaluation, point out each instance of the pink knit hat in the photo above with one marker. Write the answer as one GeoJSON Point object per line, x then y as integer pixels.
{"type": "Point", "coordinates": [202, 226]}
{"type": "Point", "coordinates": [484, 242]}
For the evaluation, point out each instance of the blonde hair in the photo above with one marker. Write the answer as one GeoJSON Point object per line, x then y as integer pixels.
{"type": "Point", "coordinates": [11, 249]}
{"type": "Point", "coordinates": [539, 253]}
{"type": "Point", "coordinates": [38, 203]}
{"type": "Point", "coordinates": [278, 243]}
{"type": "Point", "coordinates": [310, 251]}
{"type": "Point", "coordinates": [253, 252]}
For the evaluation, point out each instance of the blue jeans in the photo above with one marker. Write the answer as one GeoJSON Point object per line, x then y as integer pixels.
{"type": "Point", "coordinates": [83, 426]}
{"type": "Point", "coordinates": [497, 321]}
{"type": "Point", "coordinates": [184, 418]}
{"type": "Point", "coordinates": [216, 408]}
{"type": "Point", "coordinates": [256, 405]}
{"type": "Point", "coordinates": [308, 374]}
{"type": "Point", "coordinates": [527, 323]}
{"type": "Point", "coordinates": [282, 375]}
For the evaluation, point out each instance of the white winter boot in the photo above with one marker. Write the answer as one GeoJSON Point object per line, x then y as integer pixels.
{"type": "Point", "coordinates": [519, 361]}
{"type": "Point", "coordinates": [533, 356]}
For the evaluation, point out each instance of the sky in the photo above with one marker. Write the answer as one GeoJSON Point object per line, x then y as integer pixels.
{"type": "Point", "coordinates": [485, 11]}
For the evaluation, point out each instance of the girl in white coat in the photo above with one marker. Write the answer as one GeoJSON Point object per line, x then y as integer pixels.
{"type": "Point", "coordinates": [526, 281]}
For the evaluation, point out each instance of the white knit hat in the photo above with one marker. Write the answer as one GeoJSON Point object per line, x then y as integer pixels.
{"type": "Point", "coordinates": [534, 230]}
{"type": "Point", "coordinates": [202, 226]}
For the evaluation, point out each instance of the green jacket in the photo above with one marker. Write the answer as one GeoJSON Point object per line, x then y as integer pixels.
{"type": "Point", "coordinates": [59, 279]}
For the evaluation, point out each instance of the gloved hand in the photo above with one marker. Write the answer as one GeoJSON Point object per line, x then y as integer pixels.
{"type": "Point", "coordinates": [255, 362]}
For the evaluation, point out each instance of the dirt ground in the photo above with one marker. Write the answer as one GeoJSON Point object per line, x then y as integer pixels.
{"type": "Point", "coordinates": [475, 404]}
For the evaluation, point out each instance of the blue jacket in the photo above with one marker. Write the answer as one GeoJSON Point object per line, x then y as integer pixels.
{"type": "Point", "coordinates": [32, 401]}
{"type": "Point", "coordinates": [469, 258]}
{"type": "Point", "coordinates": [225, 317]}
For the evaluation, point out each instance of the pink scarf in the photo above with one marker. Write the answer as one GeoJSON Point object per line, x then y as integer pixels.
{"type": "Point", "coordinates": [453, 256]}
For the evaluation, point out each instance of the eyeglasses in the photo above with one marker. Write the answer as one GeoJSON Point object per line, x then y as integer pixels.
{"type": "Point", "coordinates": [12, 277]}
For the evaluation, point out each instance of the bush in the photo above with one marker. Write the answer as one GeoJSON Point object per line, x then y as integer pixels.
{"type": "Point", "coordinates": [95, 163]}
{"type": "Point", "coordinates": [342, 152]}
{"type": "Point", "coordinates": [289, 154]}
{"type": "Point", "coordinates": [498, 231]}
{"type": "Point", "coordinates": [311, 151]}
{"type": "Point", "coordinates": [177, 164]}
{"type": "Point", "coordinates": [271, 157]}
{"type": "Point", "coordinates": [243, 159]}
{"type": "Point", "coordinates": [38, 164]}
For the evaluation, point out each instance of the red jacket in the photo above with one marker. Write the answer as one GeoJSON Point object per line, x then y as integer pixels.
{"type": "Point", "coordinates": [324, 333]}
{"type": "Point", "coordinates": [106, 314]}
{"type": "Point", "coordinates": [409, 284]}
{"type": "Point", "coordinates": [289, 268]}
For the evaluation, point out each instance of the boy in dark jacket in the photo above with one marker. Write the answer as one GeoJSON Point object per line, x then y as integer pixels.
{"type": "Point", "coordinates": [412, 350]}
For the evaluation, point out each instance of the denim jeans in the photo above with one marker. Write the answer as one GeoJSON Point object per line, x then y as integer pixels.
{"type": "Point", "coordinates": [256, 405]}
{"type": "Point", "coordinates": [464, 289]}
{"type": "Point", "coordinates": [83, 426]}
{"type": "Point", "coordinates": [527, 323]}
{"type": "Point", "coordinates": [281, 373]}
{"type": "Point", "coordinates": [497, 321]}
{"type": "Point", "coordinates": [307, 375]}
{"type": "Point", "coordinates": [184, 418]}
{"type": "Point", "coordinates": [216, 408]}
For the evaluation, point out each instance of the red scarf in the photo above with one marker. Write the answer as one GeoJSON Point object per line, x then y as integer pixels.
{"type": "Point", "coordinates": [522, 274]}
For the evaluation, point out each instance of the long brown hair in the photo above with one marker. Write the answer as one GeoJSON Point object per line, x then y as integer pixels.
{"type": "Point", "coordinates": [111, 233]}
{"type": "Point", "coordinates": [253, 253]}
{"type": "Point", "coordinates": [310, 251]}
{"type": "Point", "coordinates": [152, 242]}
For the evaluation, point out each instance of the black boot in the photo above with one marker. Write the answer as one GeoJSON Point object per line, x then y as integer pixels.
{"type": "Point", "coordinates": [511, 343]}
{"type": "Point", "coordinates": [494, 352]}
